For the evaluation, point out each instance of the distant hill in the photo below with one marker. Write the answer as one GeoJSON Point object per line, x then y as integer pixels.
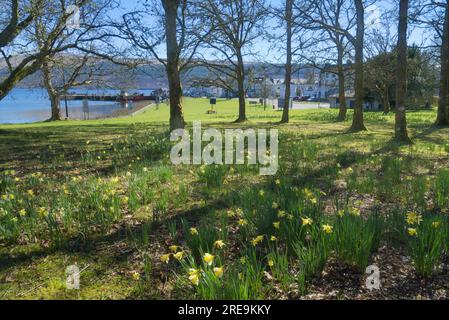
{"type": "Point", "coordinates": [153, 76]}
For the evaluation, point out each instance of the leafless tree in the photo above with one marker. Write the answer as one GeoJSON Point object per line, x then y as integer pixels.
{"type": "Point", "coordinates": [171, 25]}
{"type": "Point", "coordinates": [21, 57]}
{"type": "Point", "coordinates": [401, 74]}
{"type": "Point", "coordinates": [358, 41]}
{"type": "Point", "coordinates": [236, 26]}
{"type": "Point", "coordinates": [431, 16]}
{"type": "Point", "coordinates": [292, 43]}
{"type": "Point", "coordinates": [443, 104]}
{"type": "Point", "coordinates": [380, 71]}
{"type": "Point", "coordinates": [333, 20]}
{"type": "Point", "coordinates": [289, 20]}
{"type": "Point", "coordinates": [76, 56]}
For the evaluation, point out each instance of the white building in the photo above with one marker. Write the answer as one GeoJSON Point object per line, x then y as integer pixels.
{"type": "Point", "coordinates": [320, 85]}
{"type": "Point", "coordinates": [205, 92]}
{"type": "Point", "coordinates": [279, 87]}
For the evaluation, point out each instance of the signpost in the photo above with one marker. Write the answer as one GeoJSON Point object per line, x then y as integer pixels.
{"type": "Point", "coordinates": [86, 109]}
{"type": "Point", "coordinates": [281, 103]}
{"type": "Point", "coordinates": [213, 102]}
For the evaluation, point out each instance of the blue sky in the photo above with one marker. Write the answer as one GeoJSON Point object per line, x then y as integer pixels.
{"type": "Point", "coordinates": [273, 55]}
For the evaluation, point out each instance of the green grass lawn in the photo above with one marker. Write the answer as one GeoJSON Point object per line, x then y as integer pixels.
{"type": "Point", "coordinates": [103, 195]}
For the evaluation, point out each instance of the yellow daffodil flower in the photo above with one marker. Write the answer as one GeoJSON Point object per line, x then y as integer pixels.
{"type": "Point", "coordinates": [42, 212]}
{"type": "Point", "coordinates": [136, 276]}
{"type": "Point", "coordinates": [355, 212]}
{"type": "Point", "coordinates": [194, 279]}
{"type": "Point", "coordinates": [242, 222]}
{"type": "Point", "coordinates": [413, 218]}
{"type": "Point", "coordinates": [193, 231]}
{"type": "Point", "coordinates": [218, 272]}
{"type": "Point", "coordinates": [281, 214]}
{"type": "Point", "coordinates": [328, 228]}
{"type": "Point", "coordinates": [257, 240]}
{"type": "Point", "coordinates": [219, 244]}
{"type": "Point", "coordinates": [179, 256]}
{"type": "Point", "coordinates": [307, 221]}
{"type": "Point", "coordinates": [436, 224]}
{"type": "Point", "coordinates": [412, 232]}
{"type": "Point", "coordinates": [165, 258]}
{"type": "Point", "coordinates": [208, 259]}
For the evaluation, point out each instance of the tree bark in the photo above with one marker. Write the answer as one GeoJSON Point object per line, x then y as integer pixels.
{"type": "Point", "coordinates": [401, 133]}
{"type": "Point", "coordinates": [14, 27]}
{"type": "Point", "coordinates": [357, 121]}
{"type": "Point", "coordinates": [55, 107]}
{"type": "Point", "coordinates": [241, 88]}
{"type": "Point", "coordinates": [341, 86]}
{"type": "Point", "coordinates": [288, 64]}
{"type": "Point", "coordinates": [27, 67]}
{"type": "Point", "coordinates": [443, 103]}
{"type": "Point", "coordinates": [52, 92]}
{"type": "Point", "coordinates": [386, 100]}
{"type": "Point", "coordinates": [172, 67]}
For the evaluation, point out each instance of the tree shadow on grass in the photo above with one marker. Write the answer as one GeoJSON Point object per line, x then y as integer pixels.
{"type": "Point", "coordinates": [90, 246]}
{"type": "Point", "coordinates": [45, 145]}
{"type": "Point", "coordinates": [424, 135]}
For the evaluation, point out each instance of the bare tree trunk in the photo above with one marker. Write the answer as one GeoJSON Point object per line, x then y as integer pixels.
{"type": "Point", "coordinates": [55, 107]}
{"type": "Point", "coordinates": [401, 133]}
{"type": "Point", "coordinates": [386, 100]}
{"type": "Point", "coordinates": [341, 86]}
{"type": "Point", "coordinates": [288, 64]}
{"type": "Point", "coordinates": [52, 92]}
{"type": "Point", "coordinates": [241, 89]}
{"type": "Point", "coordinates": [443, 103]}
{"type": "Point", "coordinates": [357, 121]}
{"type": "Point", "coordinates": [173, 73]}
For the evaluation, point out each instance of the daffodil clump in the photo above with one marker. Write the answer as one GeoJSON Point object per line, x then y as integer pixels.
{"type": "Point", "coordinates": [277, 233]}
{"type": "Point", "coordinates": [427, 241]}
{"type": "Point", "coordinates": [310, 196]}
{"type": "Point", "coordinates": [200, 276]}
{"type": "Point", "coordinates": [354, 237]}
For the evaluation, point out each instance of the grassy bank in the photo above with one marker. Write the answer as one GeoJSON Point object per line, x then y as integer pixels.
{"type": "Point", "coordinates": [103, 195]}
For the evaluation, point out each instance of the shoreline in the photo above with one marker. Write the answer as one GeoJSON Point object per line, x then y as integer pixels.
{"type": "Point", "coordinates": [97, 112]}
